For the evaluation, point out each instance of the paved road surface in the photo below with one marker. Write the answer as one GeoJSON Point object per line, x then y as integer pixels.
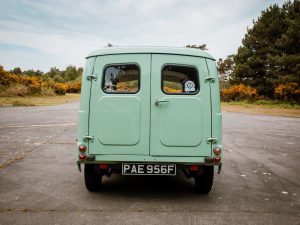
{"type": "Point", "coordinates": [259, 184]}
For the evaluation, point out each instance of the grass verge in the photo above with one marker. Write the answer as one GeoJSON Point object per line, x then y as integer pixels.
{"type": "Point", "coordinates": [267, 107]}
{"type": "Point", "coordinates": [38, 100]}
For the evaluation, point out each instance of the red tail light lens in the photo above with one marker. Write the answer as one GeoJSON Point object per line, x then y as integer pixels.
{"type": "Point", "coordinates": [82, 156]}
{"type": "Point", "coordinates": [194, 168]}
{"type": "Point", "coordinates": [217, 150]}
{"type": "Point", "coordinates": [82, 148]}
{"type": "Point", "coordinates": [103, 166]}
{"type": "Point", "coordinates": [217, 159]}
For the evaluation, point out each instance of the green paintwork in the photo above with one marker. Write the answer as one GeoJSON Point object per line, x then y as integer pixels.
{"type": "Point", "coordinates": [132, 127]}
{"type": "Point", "coordinates": [179, 127]}
{"type": "Point", "coordinates": [120, 123]}
{"type": "Point", "coordinates": [150, 50]}
{"type": "Point", "coordinates": [215, 103]}
{"type": "Point", "coordinates": [83, 114]}
{"type": "Point", "coordinates": [123, 115]}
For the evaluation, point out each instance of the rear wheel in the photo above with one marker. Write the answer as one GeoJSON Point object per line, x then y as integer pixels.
{"type": "Point", "coordinates": [204, 182]}
{"type": "Point", "coordinates": [92, 179]}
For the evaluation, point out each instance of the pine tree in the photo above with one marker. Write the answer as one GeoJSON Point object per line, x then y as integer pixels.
{"type": "Point", "coordinates": [270, 51]}
{"type": "Point", "coordinates": [286, 64]}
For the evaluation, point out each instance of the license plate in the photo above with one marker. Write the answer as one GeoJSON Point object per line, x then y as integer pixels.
{"type": "Point", "coordinates": [148, 169]}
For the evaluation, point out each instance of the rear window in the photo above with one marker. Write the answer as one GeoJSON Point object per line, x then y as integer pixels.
{"type": "Point", "coordinates": [121, 78]}
{"type": "Point", "coordinates": [177, 79]}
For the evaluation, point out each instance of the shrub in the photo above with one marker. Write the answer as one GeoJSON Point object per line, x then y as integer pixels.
{"type": "Point", "coordinates": [7, 78]}
{"type": "Point", "coordinates": [59, 88]}
{"type": "Point", "coordinates": [15, 90]}
{"type": "Point", "coordinates": [2, 88]}
{"type": "Point", "coordinates": [20, 85]}
{"type": "Point", "coordinates": [288, 92]}
{"type": "Point", "coordinates": [74, 87]}
{"type": "Point", "coordinates": [33, 83]}
{"type": "Point", "coordinates": [46, 91]}
{"type": "Point", "coordinates": [238, 93]}
{"type": "Point", "coordinates": [11, 80]}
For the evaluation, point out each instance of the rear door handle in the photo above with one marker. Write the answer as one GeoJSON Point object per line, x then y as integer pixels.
{"type": "Point", "coordinates": [157, 102]}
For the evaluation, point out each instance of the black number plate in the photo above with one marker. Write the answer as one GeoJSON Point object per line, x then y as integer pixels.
{"type": "Point", "coordinates": [148, 169]}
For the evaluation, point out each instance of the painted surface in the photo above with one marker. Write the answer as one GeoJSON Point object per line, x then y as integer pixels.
{"type": "Point", "coordinates": [151, 50]}
{"type": "Point", "coordinates": [119, 120]}
{"type": "Point", "coordinates": [180, 126]}
{"type": "Point", "coordinates": [120, 123]}
{"type": "Point", "coordinates": [83, 114]}
{"type": "Point", "coordinates": [179, 122]}
{"type": "Point", "coordinates": [133, 127]}
{"type": "Point", "coordinates": [216, 107]}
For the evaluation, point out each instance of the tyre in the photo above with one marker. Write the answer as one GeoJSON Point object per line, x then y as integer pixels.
{"type": "Point", "coordinates": [92, 179]}
{"type": "Point", "coordinates": [204, 182]}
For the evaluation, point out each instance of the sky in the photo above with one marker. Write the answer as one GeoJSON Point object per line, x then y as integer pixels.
{"type": "Point", "coordinates": [41, 34]}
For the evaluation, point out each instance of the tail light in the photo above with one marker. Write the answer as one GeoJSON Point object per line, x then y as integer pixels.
{"type": "Point", "coordinates": [103, 166]}
{"type": "Point", "coordinates": [217, 150]}
{"type": "Point", "coordinates": [217, 159]}
{"type": "Point", "coordinates": [82, 148]}
{"type": "Point", "coordinates": [82, 156]}
{"type": "Point", "coordinates": [194, 168]}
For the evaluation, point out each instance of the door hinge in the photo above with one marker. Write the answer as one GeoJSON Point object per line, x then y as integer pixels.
{"type": "Point", "coordinates": [211, 140]}
{"type": "Point", "coordinates": [207, 78]}
{"type": "Point", "coordinates": [91, 77]}
{"type": "Point", "coordinates": [88, 138]}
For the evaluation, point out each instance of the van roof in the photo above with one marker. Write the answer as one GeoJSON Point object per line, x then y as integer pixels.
{"type": "Point", "coordinates": [154, 50]}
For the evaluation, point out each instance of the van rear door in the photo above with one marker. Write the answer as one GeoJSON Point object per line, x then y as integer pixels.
{"type": "Point", "coordinates": [119, 118]}
{"type": "Point", "coordinates": [180, 106]}
{"type": "Point", "coordinates": [174, 120]}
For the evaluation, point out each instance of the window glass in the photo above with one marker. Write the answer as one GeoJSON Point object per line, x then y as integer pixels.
{"type": "Point", "coordinates": [123, 78]}
{"type": "Point", "coordinates": [179, 80]}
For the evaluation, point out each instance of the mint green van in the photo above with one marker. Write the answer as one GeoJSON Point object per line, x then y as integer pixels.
{"type": "Point", "coordinates": [150, 111]}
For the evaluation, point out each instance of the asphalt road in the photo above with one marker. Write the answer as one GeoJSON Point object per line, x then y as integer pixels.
{"type": "Point", "coordinates": [40, 182]}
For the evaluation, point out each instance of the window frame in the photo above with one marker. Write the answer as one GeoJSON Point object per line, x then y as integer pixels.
{"type": "Point", "coordinates": [121, 64]}
{"type": "Point", "coordinates": [183, 93]}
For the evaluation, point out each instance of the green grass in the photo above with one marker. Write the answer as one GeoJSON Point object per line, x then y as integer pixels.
{"type": "Point", "coordinates": [267, 104]}
{"type": "Point", "coordinates": [38, 100]}
{"type": "Point", "coordinates": [267, 107]}
{"type": "Point", "coordinates": [22, 103]}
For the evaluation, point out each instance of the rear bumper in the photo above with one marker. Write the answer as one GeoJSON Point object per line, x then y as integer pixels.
{"type": "Point", "coordinates": [115, 161]}
{"type": "Point", "coordinates": [111, 159]}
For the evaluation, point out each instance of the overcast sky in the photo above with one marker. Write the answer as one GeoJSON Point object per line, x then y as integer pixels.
{"type": "Point", "coordinates": [43, 33]}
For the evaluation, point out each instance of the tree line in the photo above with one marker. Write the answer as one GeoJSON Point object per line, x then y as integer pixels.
{"type": "Point", "coordinates": [35, 82]}
{"type": "Point", "coordinates": [71, 73]}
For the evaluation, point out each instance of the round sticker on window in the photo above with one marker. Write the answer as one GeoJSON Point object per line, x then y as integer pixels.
{"type": "Point", "coordinates": [189, 86]}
